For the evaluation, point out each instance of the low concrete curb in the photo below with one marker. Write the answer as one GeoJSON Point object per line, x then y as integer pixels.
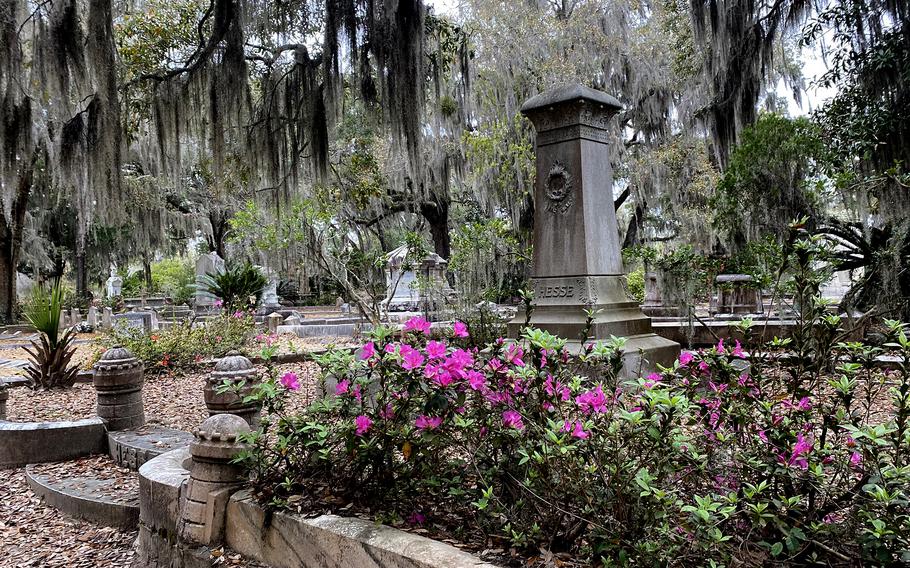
{"type": "Point", "coordinates": [69, 497]}
{"type": "Point", "coordinates": [161, 493]}
{"type": "Point", "coordinates": [292, 541]}
{"type": "Point", "coordinates": [23, 443]}
{"type": "Point", "coordinates": [133, 448]}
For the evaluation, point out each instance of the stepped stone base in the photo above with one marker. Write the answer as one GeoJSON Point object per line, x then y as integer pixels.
{"type": "Point", "coordinates": [560, 305]}
{"type": "Point", "coordinates": [132, 448]}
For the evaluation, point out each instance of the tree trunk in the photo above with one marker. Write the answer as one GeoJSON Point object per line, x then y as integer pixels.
{"type": "Point", "coordinates": [147, 273]}
{"type": "Point", "coordinates": [11, 230]}
{"type": "Point", "coordinates": [81, 278]}
{"type": "Point", "coordinates": [436, 213]}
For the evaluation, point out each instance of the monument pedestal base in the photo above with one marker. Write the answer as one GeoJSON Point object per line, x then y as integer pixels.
{"type": "Point", "coordinates": [560, 306]}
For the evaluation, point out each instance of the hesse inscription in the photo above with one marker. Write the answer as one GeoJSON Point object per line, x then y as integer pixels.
{"type": "Point", "coordinates": [557, 292]}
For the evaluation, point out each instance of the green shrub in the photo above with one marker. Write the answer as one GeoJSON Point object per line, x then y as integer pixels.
{"type": "Point", "coordinates": [239, 287]}
{"type": "Point", "coordinates": [185, 343]}
{"type": "Point", "coordinates": [635, 284]}
{"type": "Point", "coordinates": [709, 462]}
{"type": "Point", "coordinates": [174, 277]}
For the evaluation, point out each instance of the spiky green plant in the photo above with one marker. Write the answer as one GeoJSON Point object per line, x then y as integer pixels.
{"type": "Point", "coordinates": [51, 356]}
{"type": "Point", "coordinates": [239, 286]}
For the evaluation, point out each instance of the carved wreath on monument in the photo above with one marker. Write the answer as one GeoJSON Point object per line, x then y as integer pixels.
{"type": "Point", "coordinates": [558, 188]}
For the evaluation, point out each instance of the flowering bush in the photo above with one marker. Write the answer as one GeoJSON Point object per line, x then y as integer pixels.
{"type": "Point", "coordinates": [184, 343]}
{"type": "Point", "coordinates": [725, 457]}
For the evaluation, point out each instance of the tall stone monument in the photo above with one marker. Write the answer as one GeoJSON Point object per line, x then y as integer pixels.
{"type": "Point", "coordinates": [577, 263]}
{"type": "Point", "coordinates": [206, 264]}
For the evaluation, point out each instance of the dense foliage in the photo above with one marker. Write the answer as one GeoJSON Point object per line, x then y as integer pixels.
{"type": "Point", "coordinates": [184, 343]}
{"type": "Point", "coordinates": [238, 287]}
{"type": "Point", "coordinates": [797, 454]}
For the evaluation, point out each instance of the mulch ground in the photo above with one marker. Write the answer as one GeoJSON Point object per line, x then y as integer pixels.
{"type": "Point", "coordinates": [174, 401]}
{"type": "Point", "coordinates": [32, 534]}
{"type": "Point", "coordinates": [94, 477]}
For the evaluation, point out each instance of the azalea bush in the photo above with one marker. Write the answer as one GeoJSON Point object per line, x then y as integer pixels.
{"type": "Point", "coordinates": [793, 452]}
{"type": "Point", "coordinates": [184, 343]}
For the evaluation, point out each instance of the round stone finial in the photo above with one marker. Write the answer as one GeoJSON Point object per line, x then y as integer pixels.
{"type": "Point", "coordinates": [216, 439]}
{"type": "Point", "coordinates": [117, 357]}
{"type": "Point", "coordinates": [222, 427]}
{"type": "Point", "coordinates": [233, 363]}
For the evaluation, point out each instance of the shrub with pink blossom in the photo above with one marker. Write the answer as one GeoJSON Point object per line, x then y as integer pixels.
{"type": "Point", "coordinates": [796, 452]}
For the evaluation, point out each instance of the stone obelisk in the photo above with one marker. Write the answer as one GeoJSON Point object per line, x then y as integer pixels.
{"type": "Point", "coordinates": [577, 262]}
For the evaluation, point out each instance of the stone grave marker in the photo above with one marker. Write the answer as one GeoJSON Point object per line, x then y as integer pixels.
{"type": "Point", "coordinates": [209, 263]}
{"type": "Point", "coordinates": [577, 262]}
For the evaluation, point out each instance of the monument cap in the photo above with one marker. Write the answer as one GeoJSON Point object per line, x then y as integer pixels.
{"type": "Point", "coordinates": [567, 94]}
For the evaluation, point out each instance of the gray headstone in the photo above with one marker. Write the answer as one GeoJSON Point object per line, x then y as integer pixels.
{"type": "Point", "coordinates": [577, 262]}
{"type": "Point", "coordinates": [270, 292]}
{"type": "Point", "coordinates": [106, 314]}
{"type": "Point", "coordinates": [292, 320]}
{"type": "Point", "coordinates": [209, 263]}
{"type": "Point", "coordinates": [92, 316]}
{"type": "Point", "coordinates": [75, 316]}
{"type": "Point", "coordinates": [139, 320]}
{"type": "Point", "coordinates": [274, 320]}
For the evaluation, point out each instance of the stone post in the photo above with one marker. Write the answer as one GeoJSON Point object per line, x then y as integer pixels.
{"type": "Point", "coordinates": [237, 370]}
{"type": "Point", "coordinates": [75, 316]}
{"type": "Point", "coordinates": [118, 381]}
{"type": "Point", "coordinates": [274, 320]}
{"type": "Point", "coordinates": [92, 317]}
{"type": "Point", "coordinates": [212, 479]}
{"type": "Point", "coordinates": [577, 261]}
{"type": "Point", "coordinates": [4, 396]}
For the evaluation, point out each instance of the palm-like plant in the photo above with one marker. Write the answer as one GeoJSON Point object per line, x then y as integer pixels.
{"type": "Point", "coordinates": [51, 356]}
{"type": "Point", "coordinates": [239, 286]}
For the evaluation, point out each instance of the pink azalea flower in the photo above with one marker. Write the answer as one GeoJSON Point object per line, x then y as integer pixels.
{"type": "Point", "coordinates": [219, 302]}
{"type": "Point", "coordinates": [592, 400]}
{"type": "Point", "coordinates": [514, 355]}
{"type": "Point", "coordinates": [238, 314]}
{"type": "Point", "coordinates": [460, 329]}
{"type": "Point", "coordinates": [368, 350]}
{"type": "Point", "coordinates": [797, 455]}
{"type": "Point", "coordinates": [763, 436]}
{"type": "Point", "coordinates": [512, 419]}
{"type": "Point", "coordinates": [577, 429]}
{"type": "Point", "coordinates": [720, 346]}
{"type": "Point", "coordinates": [476, 380]}
{"type": "Point", "coordinates": [417, 324]}
{"type": "Point", "coordinates": [856, 460]}
{"type": "Point", "coordinates": [342, 387]}
{"type": "Point", "coordinates": [289, 381]}
{"type": "Point", "coordinates": [556, 388]}
{"type": "Point", "coordinates": [363, 424]}
{"type": "Point", "coordinates": [388, 412]}
{"type": "Point", "coordinates": [685, 358]}
{"type": "Point", "coordinates": [428, 422]}
{"type": "Point", "coordinates": [412, 360]}
{"type": "Point", "coordinates": [436, 349]}
{"type": "Point", "coordinates": [356, 392]}
{"type": "Point", "coordinates": [738, 350]}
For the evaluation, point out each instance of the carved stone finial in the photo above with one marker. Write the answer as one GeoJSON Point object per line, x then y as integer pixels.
{"type": "Point", "coordinates": [237, 370]}
{"type": "Point", "coordinates": [118, 381]}
{"type": "Point", "coordinates": [213, 478]}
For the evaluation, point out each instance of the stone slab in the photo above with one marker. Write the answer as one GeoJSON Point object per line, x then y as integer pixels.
{"type": "Point", "coordinates": [328, 541]}
{"type": "Point", "coordinates": [85, 498]}
{"type": "Point", "coordinates": [23, 443]}
{"type": "Point", "coordinates": [133, 448]}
